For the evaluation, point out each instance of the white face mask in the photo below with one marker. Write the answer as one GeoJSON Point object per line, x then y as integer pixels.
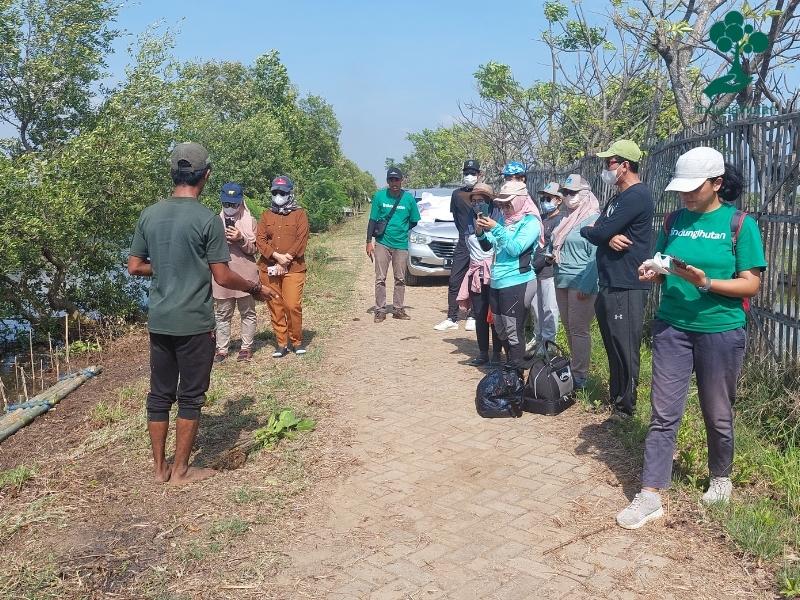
{"type": "Point", "coordinates": [230, 212]}
{"type": "Point", "coordinates": [470, 180]}
{"type": "Point", "coordinates": [609, 177]}
{"type": "Point", "coordinates": [280, 199]}
{"type": "Point", "coordinates": [572, 201]}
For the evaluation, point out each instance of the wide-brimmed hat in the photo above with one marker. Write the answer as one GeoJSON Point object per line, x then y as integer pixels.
{"type": "Point", "coordinates": [512, 189]}
{"type": "Point", "coordinates": [575, 183]}
{"type": "Point", "coordinates": [482, 189]}
{"type": "Point", "coordinates": [552, 189]}
{"type": "Point", "coordinates": [694, 167]}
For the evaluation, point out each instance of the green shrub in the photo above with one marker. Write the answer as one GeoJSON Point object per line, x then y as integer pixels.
{"type": "Point", "coordinates": [324, 198]}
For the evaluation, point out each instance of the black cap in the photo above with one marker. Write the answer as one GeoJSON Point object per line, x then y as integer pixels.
{"type": "Point", "coordinates": [394, 172]}
{"type": "Point", "coordinates": [472, 165]}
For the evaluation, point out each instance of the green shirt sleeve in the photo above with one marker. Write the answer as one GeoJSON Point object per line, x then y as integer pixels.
{"type": "Point", "coordinates": [749, 248]}
{"type": "Point", "coordinates": [374, 207]}
{"type": "Point", "coordinates": [661, 242]}
{"type": "Point", "coordinates": [216, 245]}
{"type": "Point", "coordinates": [413, 213]}
{"type": "Point", "coordinates": [139, 244]}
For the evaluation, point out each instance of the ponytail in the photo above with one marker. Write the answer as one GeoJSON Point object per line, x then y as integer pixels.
{"type": "Point", "coordinates": [732, 183]}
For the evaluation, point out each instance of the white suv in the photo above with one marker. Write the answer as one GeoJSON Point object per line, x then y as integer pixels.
{"type": "Point", "coordinates": [433, 240]}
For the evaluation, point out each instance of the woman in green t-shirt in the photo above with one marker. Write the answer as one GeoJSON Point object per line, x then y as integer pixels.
{"type": "Point", "coordinates": [716, 260]}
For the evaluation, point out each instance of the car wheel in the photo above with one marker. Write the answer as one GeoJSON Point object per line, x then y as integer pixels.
{"type": "Point", "coordinates": [412, 279]}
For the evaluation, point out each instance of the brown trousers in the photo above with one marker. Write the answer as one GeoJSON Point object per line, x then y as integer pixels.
{"type": "Point", "coordinates": [398, 259]}
{"type": "Point", "coordinates": [287, 312]}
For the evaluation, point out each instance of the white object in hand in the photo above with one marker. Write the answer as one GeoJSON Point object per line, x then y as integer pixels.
{"type": "Point", "coordinates": [272, 270]}
{"type": "Point", "coordinates": [660, 263]}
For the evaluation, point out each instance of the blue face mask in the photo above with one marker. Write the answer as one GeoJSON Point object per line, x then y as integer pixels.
{"type": "Point", "coordinates": [547, 206]}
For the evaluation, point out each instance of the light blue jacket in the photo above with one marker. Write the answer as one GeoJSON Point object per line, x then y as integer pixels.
{"type": "Point", "coordinates": [512, 243]}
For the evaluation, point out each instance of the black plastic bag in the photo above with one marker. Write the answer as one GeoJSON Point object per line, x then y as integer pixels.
{"type": "Point", "coordinates": [499, 394]}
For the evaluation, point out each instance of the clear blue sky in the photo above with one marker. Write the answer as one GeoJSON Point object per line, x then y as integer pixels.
{"type": "Point", "coordinates": [387, 68]}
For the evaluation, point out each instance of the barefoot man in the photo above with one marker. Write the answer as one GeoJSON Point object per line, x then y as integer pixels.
{"type": "Point", "coordinates": [181, 244]}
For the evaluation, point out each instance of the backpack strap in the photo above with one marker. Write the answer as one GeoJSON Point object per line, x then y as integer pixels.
{"type": "Point", "coordinates": [737, 220]}
{"type": "Point", "coordinates": [669, 220]}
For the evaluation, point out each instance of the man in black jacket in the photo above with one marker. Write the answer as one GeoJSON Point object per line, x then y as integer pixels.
{"type": "Point", "coordinates": [464, 218]}
{"type": "Point", "coordinates": [623, 236]}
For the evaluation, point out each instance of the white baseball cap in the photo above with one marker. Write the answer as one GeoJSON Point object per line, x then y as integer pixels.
{"type": "Point", "coordinates": [694, 167]}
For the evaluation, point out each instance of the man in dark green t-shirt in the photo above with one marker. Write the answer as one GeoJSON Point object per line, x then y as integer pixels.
{"type": "Point", "coordinates": [180, 244]}
{"type": "Point", "coordinates": [393, 214]}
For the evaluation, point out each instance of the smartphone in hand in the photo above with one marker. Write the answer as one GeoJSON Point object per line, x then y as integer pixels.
{"type": "Point", "coordinates": [678, 263]}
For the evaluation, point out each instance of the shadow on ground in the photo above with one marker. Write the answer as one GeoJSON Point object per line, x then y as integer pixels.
{"type": "Point", "coordinates": [218, 433]}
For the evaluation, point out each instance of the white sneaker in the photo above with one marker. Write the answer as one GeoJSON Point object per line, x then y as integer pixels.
{"type": "Point", "coordinates": [646, 506]}
{"type": "Point", "coordinates": [719, 490]}
{"type": "Point", "coordinates": [470, 324]}
{"type": "Point", "coordinates": [446, 325]}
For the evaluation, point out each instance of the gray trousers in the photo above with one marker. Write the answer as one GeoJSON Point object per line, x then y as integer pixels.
{"type": "Point", "coordinates": [398, 259]}
{"type": "Point", "coordinates": [544, 306]}
{"type": "Point", "coordinates": [716, 359]}
{"type": "Point", "coordinates": [577, 315]}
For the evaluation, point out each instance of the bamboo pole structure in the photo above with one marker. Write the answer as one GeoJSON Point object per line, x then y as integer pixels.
{"type": "Point", "coordinates": [20, 415]}
{"type": "Point", "coordinates": [33, 364]}
{"type": "Point", "coordinates": [24, 383]}
{"type": "Point", "coordinates": [3, 394]}
{"type": "Point", "coordinates": [66, 339]}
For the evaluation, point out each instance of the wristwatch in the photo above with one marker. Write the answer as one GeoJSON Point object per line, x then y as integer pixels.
{"type": "Point", "coordinates": [255, 289]}
{"type": "Point", "coordinates": [706, 285]}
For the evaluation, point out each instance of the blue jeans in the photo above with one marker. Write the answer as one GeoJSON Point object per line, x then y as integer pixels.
{"type": "Point", "coordinates": [716, 359]}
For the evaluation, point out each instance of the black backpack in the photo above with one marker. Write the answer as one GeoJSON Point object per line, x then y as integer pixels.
{"type": "Point", "coordinates": [549, 388]}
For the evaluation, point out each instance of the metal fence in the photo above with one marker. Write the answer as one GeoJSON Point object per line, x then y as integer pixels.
{"type": "Point", "coordinates": [767, 150]}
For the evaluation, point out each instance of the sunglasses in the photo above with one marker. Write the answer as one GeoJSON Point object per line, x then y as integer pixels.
{"type": "Point", "coordinates": [276, 192]}
{"type": "Point", "coordinates": [230, 204]}
{"type": "Point", "coordinates": [613, 161]}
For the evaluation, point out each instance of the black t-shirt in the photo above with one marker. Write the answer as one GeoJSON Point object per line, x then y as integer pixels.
{"type": "Point", "coordinates": [463, 215]}
{"type": "Point", "coordinates": [543, 270]}
{"type": "Point", "coordinates": [631, 214]}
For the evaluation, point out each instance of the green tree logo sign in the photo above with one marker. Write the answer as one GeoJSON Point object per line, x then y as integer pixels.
{"type": "Point", "coordinates": [732, 35]}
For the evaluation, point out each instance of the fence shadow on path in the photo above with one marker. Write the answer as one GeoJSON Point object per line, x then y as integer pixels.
{"type": "Point", "coordinates": [218, 433]}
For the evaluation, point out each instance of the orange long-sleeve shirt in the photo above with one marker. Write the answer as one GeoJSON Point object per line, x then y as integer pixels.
{"type": "Point", "coordinates": [283, 234]}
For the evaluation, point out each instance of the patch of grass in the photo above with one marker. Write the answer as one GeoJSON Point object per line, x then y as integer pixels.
{"type": "Point", "coordinates": [231, 527]}
{"type": "Point", "coordinates": [105, 413]}
{"type": "Point", "coordinates": [320, 254]}
{"type": "Point", "coordinates": [33, 581]}
{"type": "Point", "coordinates": [15, 478]}
{"type": "Point", "coordinates": [45, 509]}
{"type": "Point", "coordinates": [761, 527]}
{"type": "Point", "coordinates": [246, 495]}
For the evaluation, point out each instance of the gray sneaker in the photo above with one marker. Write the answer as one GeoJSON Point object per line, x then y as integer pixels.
{"type": "Point", "coordinates": [646, 506]}
{"type": "Point", "coordinates": [719, 490]}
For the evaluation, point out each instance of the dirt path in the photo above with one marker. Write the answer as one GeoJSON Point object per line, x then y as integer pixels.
{"type": "Point", "coordinates": [444, 504]}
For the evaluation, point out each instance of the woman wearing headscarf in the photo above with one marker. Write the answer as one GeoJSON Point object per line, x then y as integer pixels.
{"type": "Point", "coordinates": [514, 237]}
{"type": "Point", "coordinates": [282, 237]}
{"type": "Point", "coordinates": [240, 233]}
{"type": "Point", "coordinates": [576, 272]}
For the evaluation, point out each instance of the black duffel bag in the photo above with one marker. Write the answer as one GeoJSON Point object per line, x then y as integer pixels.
{"type": "Point", "coordinates": [549, 388]}
{"type": "Point", "coordinates": [499, 394]}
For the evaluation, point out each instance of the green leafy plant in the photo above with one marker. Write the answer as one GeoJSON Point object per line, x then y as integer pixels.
{"type": "Point", "coordinates": [789, 581]}
{"type": "Point", "coordinates": [282, 425]}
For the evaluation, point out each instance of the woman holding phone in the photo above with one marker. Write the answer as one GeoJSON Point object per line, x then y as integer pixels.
{"type": "Point", "coordinates": [513, 237]}
{"type": "Point", "coordinates": [700, 323]}
{"type": "Point", "coordinates": [240, 233]}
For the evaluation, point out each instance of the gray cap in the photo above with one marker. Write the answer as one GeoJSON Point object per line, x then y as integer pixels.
{"type": "Point", "coordinates": [552, 189]}
{"type": "Point", "coordinates": [189, 157]}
